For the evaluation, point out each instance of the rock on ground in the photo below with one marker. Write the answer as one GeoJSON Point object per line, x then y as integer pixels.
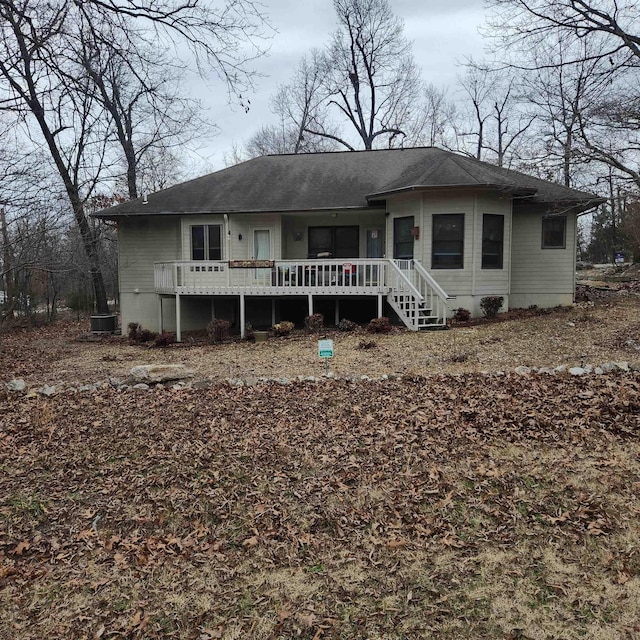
{"type": "Point", "coordinates": [160, 372]}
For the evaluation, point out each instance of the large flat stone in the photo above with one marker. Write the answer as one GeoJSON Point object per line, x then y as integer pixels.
{"type": "Point", "coordinates": [160, 372]}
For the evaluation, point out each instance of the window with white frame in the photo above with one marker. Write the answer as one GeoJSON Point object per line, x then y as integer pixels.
{"type": "Point", "coordinates": [206, 242]}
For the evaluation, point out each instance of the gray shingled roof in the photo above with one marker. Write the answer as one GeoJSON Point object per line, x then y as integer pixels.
{"type": "Point", "coordinates": [349, 179]}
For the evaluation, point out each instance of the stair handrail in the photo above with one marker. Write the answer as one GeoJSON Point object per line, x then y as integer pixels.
{"type": "Point", "coordinates": [412, 288]}
{"type": "Point", "coordinates": [431, 282]}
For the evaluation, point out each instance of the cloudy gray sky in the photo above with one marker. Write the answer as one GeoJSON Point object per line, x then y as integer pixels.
{"type": "Point", "coordinates": [443, 32]}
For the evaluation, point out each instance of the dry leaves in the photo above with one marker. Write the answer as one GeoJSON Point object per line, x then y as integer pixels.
{"type": "Point", "coordinates": [443, 506]}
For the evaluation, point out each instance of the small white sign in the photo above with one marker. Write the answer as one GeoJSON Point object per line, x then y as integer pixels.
{"type": "Point", "coordinates": [325, 348]}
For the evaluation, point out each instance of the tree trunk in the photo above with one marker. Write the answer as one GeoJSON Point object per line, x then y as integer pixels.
{"type": "Point", "coordinates": [89, 240]}
{"type": "Point", "coordinates": [6, 261]}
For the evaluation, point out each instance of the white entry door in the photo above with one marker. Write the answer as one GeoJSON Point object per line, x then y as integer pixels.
{"type": "Point", "coordinates": [375, 249]}
{"type": "Point", "coordinates": [262, 251]}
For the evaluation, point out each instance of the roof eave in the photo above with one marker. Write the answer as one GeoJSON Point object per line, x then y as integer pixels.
{"type": "Point", "coordinates": [575, 205]}
{"type": "Point", "coordinates": [196, 212]}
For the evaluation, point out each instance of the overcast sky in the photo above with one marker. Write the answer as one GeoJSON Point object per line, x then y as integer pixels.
{"type": "Point", "coordinates": [444, 33]}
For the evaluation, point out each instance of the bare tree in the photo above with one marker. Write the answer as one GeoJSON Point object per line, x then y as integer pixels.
{"type": "Point", "coordinates": [371, 79]}
{"type": "Point", "coordinates": [35, 84]}
{"type": "Point", "coordinates": [631, 227]}
{"type": "Point", "coordinates": [478, 86]}
{"type": "Point", "coordinates": [159, 168]}
{"type": "Point", "coordinates": [497, 121]}
{"type": "Point", "coordinates": [604, 38]}
{"type": "Point", "coordinates": [139, 90]}
{"type": "Point", "coordinates": [562, 96]}
{"type": "Point", "coordinates": [432, 122]}
{"type": "Point", "coordinates": [271, 139]}
{"type": "Point", "coordinates": [40, 78]}
{"type": "Point", "coordinates": [301, 105]}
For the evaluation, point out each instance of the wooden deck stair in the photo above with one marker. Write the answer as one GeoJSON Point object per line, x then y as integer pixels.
{"type": "Point", "coordinates": [414, 313]}
{"type": "Point", "coordinates": [416, 297]}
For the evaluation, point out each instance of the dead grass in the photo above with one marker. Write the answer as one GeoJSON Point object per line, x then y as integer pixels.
{"type": "Point", "coordinates": [583, 334]}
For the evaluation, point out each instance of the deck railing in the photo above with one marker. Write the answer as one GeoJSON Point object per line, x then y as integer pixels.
{"type": "Point", "coordinates": [284, 276]}
{"type": "Point", "coordinates": [435, 297]}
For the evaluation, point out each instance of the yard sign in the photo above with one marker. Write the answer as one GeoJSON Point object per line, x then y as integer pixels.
{"type": "Point", "coordinates": [325, 348]}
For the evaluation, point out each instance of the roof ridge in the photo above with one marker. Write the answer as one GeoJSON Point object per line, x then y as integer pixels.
{"type": "Point", "coordinates": [339, 151]}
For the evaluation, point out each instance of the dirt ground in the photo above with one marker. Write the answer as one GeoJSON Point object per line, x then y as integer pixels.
{"type": "Point", "coordinates": [588, 333]}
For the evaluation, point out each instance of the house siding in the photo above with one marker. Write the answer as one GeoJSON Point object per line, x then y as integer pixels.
{"type": "Point", "coordinates": [471, 283]}
{"type": "Point", "coordinates": [141, 243]}
{"type": "Point", "coordinates": [544, 277]}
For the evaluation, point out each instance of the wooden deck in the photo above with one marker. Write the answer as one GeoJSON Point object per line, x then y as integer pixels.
{"type": "Point", "coordinates": [410, 290]}
{"type": "Point", "coordinates": [285, 277]}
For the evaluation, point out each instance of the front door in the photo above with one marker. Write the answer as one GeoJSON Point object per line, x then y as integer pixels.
{"type": "Point", "coordinates": [262, 251]}
{"type": "Point", "coordinates": [375, 249]}
{"type": "Point", "coordinates": [375, 243]}
{"type": "Point", "coordinates": [403, 238]}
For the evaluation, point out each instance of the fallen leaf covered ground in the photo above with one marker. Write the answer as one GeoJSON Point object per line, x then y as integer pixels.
{"type": "Point", "coordinates": [457, 506]}
{"type": "Point", "coordinates": [587, 333]}
{"type": "Point", "coordinates": [445, 506]}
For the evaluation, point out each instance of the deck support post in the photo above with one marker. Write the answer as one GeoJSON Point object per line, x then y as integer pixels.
{"type": "Point", "coordinates": [161, 328]}
{"type": "Point", "coordinates": [242, 316]}
{"type": "Point", "coordinates": [379, 305]}
{"type": "Point", "coordinates": [273, 311]}
{"type": "Point", "coordinates": [178, 320]}
{"type": "Point", "coordinates": [337, 315]}
{"type": "Point", "coordinates": [310, 304]}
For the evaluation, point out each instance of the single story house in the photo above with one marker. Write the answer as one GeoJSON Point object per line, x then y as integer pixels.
{"type": "Point", "coordinates": [422, 230]}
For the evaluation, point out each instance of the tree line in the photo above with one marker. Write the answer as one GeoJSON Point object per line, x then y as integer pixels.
{"type": "Point", "coordinates": [91, 95]}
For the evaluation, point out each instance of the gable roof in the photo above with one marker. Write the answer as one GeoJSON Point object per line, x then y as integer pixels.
{"type": "Point", "coordinates": [341, 180]}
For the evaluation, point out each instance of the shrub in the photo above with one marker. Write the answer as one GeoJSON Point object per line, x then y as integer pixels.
{"type": "Point", "coordinates": [462, 315]}
{"type": "Point", "coordinates": [137, 334]}
{"type": "Point", "coordinates": [347, 325]}
{"type": "Point", "coordinates": [490, 305]}
{"type": "Point", "coordinates": [379, 325]}
{"type": "Point", "coordinates": [314, 323]}
{"type": "Point", "coordinates": [367, 344]}
{"type": "Point", "coordinates": [132, 331]}
{"type": "Point", "coordinates": [164, 339]}
{"type": "Point", "coordinates": [144, 335]}
{"type": "Point", "coordinates": [248, 332]}
{"type": "Point", "coordinates": [218, 330]}
{"type": "Point", "coordinates": [283, 328]}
